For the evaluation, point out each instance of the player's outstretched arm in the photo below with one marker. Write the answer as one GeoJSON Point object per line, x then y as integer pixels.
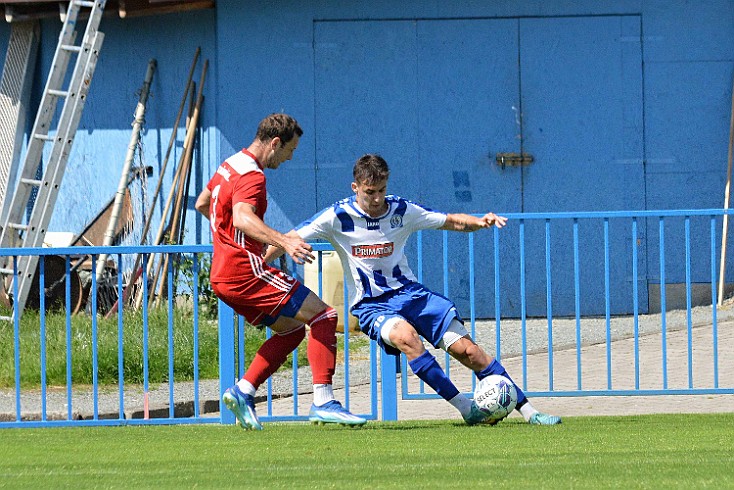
{"type": "Point", "coordinates": [468, 223]}
{"type": "Point", "coordinates": [245, 220]}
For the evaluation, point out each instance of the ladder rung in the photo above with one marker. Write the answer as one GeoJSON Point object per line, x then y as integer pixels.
{"type": "Point", "coordinates": [44, 137]}
{"type": "Point", "coordinates": [18, 226]}
{"type": "Point", "coordinates": [71, 47]}
{"type": "Point", "coordinates": [82, 3]}
{"type": "Point", "coordinates": [34, 182]}
{"type": "Point", "coordinates": [7, 272]}
{"type": "Point", "coordinates": [6, 318]}
{"type": "Point", "coordinates": [58, 93]}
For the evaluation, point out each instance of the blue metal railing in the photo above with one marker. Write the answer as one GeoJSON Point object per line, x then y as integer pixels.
{"type": "Point", "coordinates": [571, 283]}
{"type": "Point", "coordinates": [580, 256]}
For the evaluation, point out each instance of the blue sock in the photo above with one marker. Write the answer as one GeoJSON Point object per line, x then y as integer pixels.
{"type": "Point", "coordinates": [496, 368]}
{"type": "Point", "coordinates": [427, 369]}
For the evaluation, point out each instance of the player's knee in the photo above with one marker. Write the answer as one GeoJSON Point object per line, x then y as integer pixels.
{"type": "Point", "coordinates": [476, 354]}
{"type": "Point", "coordinates": [405, 338]}
{"type": "Point", "coordinates": [469, 354]}
{"type": "Point", "coordinates": [324, 323]}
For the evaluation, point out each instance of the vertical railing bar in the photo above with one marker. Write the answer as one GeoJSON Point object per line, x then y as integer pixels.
{"type": "Point", "coordinates": [446, 357]}
{"type": "Point", "coordinates": [523, 308]}
{"type": "Point", "coordinates": [345, 321]}
{"type": "Point", "coordinates": [146, 412]}
{"type": "Point", "coordinates": [294, 358]}
{"type": "Point", "coordinates": [120, 340]}
{"type": "Point", "coordinates": [195, 294]}
{"type": "Point", "coordinates": [320, 273]}
{"type": "Point", "coordinates": [268, 334]}
{"type": "Point", "coordinates": [403, 361]}
{"type": "Point", "coordinates": [607, 306]}
{"type": "Point", "coordinates": [42, 318]}
{"type": "Point", "coordinates": [549, 301]}
{"type": "Point", "coordinates": [577, 299]}
{"type": "Point", "coordinates": [169, 291]}
{"type": "Point", "coordinates": [635, 304]}
{"type": "Point", "coordinates": [663, 306]}
{"type": "Point", "coordinates": [689, 322]}
{"type": "Point", "coordinates": [714, 302]}
{"type": "Point", "coordinates": [472, 299]}
{"type": "Point", "coordinates": [472, 285]}
{"type": "Point", "coordinates": [241, 343]}
{"type": "Point", "coordinates": [95, 366]}
{"type": "Point", "coordinates": [445, 238]}
{"type": "Point", "coordinates": [419, 247]}
{"type": "Point", "coordinates": [373, 378]}
{"type": "Point", "coordinates": [16, 339]}
{"type": "Point", "coordinates": [67, 293]}
{"type": "Point", "coordinates": [497, 299]}
{"type": "Point", "coordinates": [294, 386]}
{"type": "Point", "coordinates": [403, 372]}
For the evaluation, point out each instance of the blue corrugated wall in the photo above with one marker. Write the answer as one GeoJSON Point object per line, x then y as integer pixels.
{"type": "Point", "coordinates": [623, 105]}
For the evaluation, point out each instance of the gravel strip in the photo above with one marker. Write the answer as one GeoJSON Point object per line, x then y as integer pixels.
{"type": "Point", "coordinates": [564, 333]}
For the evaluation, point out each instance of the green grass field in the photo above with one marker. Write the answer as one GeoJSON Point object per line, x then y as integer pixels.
{"type": "Point", "coordinates": [660, 451]}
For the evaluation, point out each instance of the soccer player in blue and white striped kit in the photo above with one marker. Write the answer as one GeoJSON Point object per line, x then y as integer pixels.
{"type": "Point", "coordinates": [369, 231]}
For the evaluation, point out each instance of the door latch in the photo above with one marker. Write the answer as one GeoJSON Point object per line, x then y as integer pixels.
{"type": "Point", "coordinates": [514, 159]}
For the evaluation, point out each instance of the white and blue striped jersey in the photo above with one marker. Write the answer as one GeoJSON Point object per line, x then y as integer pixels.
{"type": "Point", "coordinates": [373, 248]}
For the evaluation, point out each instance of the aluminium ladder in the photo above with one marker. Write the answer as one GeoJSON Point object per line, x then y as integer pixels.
{"type": "Point", "coordinates": [16, 232]}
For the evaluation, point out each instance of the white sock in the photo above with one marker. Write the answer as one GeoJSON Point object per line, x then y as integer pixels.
{"type": "Point", "coordinates": [322, 394]}
{"type": "Point", "coordinates": [462, 404]}
{"type": "Point", "coordinates": [246, 387]}
{"type": "Point", "coordinates": [528, 411]}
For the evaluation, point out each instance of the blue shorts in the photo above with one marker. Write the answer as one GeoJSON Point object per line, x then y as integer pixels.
{"type": "Point", "coordinates": [430, 313]}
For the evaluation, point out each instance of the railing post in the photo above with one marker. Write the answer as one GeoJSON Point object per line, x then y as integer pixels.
{"type": "Point", "coordinates": [227, 374]}
{"type": "Point", "coordinates": [389, 390]}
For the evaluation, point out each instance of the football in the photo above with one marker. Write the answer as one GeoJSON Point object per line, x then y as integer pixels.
{"type": "Point", "coordinates": [496, 396]}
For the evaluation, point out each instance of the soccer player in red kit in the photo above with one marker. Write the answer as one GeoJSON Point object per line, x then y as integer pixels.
{"type": "Point", "coordinates": [234, 201]}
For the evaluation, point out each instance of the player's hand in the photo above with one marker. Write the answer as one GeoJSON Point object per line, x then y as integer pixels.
{"type": "Point", "coordinates": [299, 250]}
{"type": "Point", "coordinates": [491, 219]}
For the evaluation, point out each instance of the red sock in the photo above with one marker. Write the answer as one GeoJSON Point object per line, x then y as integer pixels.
{"type": "Point", "coordinates": [272, 354]}
{"type": "Point", "coordinates": [322, 346]}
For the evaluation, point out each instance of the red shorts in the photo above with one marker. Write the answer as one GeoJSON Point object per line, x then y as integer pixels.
{"type": "Point", "coordinates": [262, 293]}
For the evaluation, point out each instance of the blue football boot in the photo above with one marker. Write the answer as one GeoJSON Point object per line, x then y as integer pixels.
{"type": "Point", "coordinates": [243, 407]}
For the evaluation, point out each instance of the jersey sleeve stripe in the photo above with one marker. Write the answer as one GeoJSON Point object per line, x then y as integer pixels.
{"type": "Point", "coordinates": [345, 220]}
{"type": "Point", "coordinates": [402, 207]}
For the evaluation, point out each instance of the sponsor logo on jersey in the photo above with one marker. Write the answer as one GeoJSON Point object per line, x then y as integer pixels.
{"type": "Point", "coordinates": [375, 251]}
{"type": "Point", "coordinates": [373, 224]}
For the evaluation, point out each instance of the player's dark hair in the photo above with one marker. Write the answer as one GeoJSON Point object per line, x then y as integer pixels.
{"type": "Point", "coordinates": [281, 126]}
{"type": "Point", "coordinates": [370, 169]}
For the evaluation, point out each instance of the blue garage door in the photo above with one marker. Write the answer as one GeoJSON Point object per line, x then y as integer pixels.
{"type": "Point", "coordinates": [441, 99]}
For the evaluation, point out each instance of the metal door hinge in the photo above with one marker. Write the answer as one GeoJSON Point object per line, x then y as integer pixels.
{"type": "Point", "coordinates": [514, 159]}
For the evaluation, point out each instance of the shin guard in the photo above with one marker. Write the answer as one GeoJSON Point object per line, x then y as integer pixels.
{"type": "Point", "coordinates": [322, 346]}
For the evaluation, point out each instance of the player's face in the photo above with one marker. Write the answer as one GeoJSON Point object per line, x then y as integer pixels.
{"type": "Point", "coordinates": [280, 153]}
{"type": "Point", "coordinates": [371, 197]}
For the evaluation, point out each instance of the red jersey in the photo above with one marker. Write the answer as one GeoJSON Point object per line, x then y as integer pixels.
{"type": "Point", "coordinates": [239, 179]}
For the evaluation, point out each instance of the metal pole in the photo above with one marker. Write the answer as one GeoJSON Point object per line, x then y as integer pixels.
{"type": "Point", "coordinates": [109, 235]}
